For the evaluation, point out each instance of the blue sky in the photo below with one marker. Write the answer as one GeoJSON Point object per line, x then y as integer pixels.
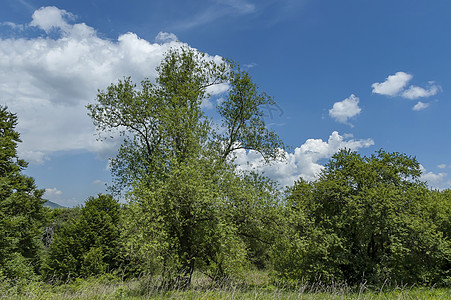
{"type": "Point", "coordinates": [359, 74]}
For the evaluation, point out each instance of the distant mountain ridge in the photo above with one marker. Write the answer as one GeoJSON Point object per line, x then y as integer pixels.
{"type": "Point", "coordinates": [51, 204]}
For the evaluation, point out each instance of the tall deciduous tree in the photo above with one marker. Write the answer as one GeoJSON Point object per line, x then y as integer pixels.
{"type": "Point", "coordinates": [21, 210]}
{"type": "Point", "coordinates": [177, 161]}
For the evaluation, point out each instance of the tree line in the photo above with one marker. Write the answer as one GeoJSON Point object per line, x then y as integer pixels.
{"type": "Point", "coordinates": [190, 208]}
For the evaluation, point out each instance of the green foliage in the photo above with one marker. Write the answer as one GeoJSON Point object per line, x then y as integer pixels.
{"type": "Point", "coordinates": [256, 285]}
{"type": "Point", "coordinates": [190, 208]}
{"type": "Point", "coordinates": [87, 244]}
{"type": "Point", "coordinates": [179, 168]}
{"type": "Point", "coordinates": [252, 203]}
{"type": "Point", "coordinates": [160, 122]}
{"type": "Point", "coordinates": [184, 224]}
{"type": "Point", "coordinates": [21, 210]}
{"type": "Point", "coordinates": [242, 119]}
{"type": "Point", "coordinates": [365, 218]}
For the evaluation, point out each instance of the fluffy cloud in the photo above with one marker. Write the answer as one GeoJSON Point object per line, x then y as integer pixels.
{"type": "Point", "coordinates": [33, 157]}
{"type": "Point", "coordinates": [48, 18]}
{"type": "Point", "coordinates": [52, 193]}
{"type": "Point", "coordinates": [343, 110]}
{"type": "Point", "coordinates": [392, 85]}
{"type": "Point", "coordinates": [415, 92]}
{"type": "Point", "coordinates": [307, 160]}
{"type": "Point", "coordinates": [217, 89]}
{"type": "Point", "coordinates": [420, 106]}
{"type": "Point", "coordinates": [435, 180]}
{"type": "Point", "coordinates": [48, 80]}
{"type": "Point", "coordinates": [395, 85]}
{"type": "Point", "coordinates": [304, 162]}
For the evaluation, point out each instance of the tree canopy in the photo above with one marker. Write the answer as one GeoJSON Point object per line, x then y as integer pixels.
{"type": "Point", "coordinates": [21, 206]}
{"type": "Point", "coordinates": [365, 218]}
{"type": "Point", "coordinates": [177, 162]}
{"type": "Point", "coordinates": [87, 244]}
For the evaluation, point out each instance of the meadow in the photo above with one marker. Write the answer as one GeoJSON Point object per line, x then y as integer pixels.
{"type": "Point", "coordinates": [256, 285]}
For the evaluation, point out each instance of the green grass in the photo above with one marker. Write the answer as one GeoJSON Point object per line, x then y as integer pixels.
{"type": "Point", "coordinates": [255, 286]}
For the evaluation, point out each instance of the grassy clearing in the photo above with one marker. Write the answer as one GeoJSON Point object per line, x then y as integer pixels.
{"type": "Point", "coordinates": [255, 286]}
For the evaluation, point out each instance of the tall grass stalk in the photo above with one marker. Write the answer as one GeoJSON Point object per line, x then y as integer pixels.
{"type": "Point", "coordinates": [256, 285]}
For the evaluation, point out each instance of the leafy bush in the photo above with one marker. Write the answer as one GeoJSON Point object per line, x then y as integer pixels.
{"type": "Point", "coordinates": [365, 218]}
{"type": "Point", "coordinates": [88, 244]}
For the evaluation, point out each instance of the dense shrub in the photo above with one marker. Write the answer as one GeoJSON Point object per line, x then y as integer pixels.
{"type": "Point", "coordinates": [365, 218]}
{"type": "Point", "coordinates": [87, 244]}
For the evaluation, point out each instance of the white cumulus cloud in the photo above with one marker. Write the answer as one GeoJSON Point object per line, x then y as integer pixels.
{"type": "Point", "coordinates": [304, 162]}
{"type": "Point", "coordinates": [392, 85]}
{"type": "Point", "coordinates": [51, 17]}
{"type": "Point", "coordinates": [395, 85]}
{"type": "Point", "coordinates": [435, 180]}
{"type": "Point", "coordinates": [415, 92]}
{"type": "Point", "coordinates": [52, 193]}
{"type": "Point", "coordinates": [33, 157]}
{"type": "Point", "coordinates": [342, 111]}
{"type": "Point", "coordinates": [49, 80]}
